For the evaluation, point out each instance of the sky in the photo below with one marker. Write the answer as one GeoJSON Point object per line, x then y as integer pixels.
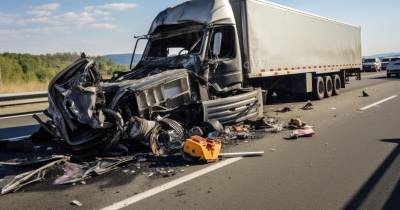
{"type": "Point", "coordinates": [100, 27]}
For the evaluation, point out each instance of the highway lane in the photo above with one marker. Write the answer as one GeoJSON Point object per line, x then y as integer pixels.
{"type": "Point", "coordinates": [327, 171]}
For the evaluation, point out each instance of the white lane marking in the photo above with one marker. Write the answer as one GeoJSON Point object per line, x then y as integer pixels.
{"type": "Point", "coordinates": [378, 102]}
{"type": "Point", "coordinates": [373, 75]}
{"type": "Point", "coordinates": [169, 185]}
{"type": "Point", "coordinates": [17, 138]}
{"type": "Point", "coordinates": [21, 115]}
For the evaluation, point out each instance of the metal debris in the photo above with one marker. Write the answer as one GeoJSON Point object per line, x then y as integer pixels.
{"type": "Point", "coordinates": [364, 93]}
{"type": "Point", "coordinates": [33, 162]}
{"type": "Point", "coordinates": [241, 154]}
{"type": "Point", "coordinates": [30, 177]}
{"type": "Point", "coordinates": [72, 173]}
{"type": "Point", "coordinates": [296, 123]}
{"type": "Point", "coordinates": [76, 203]}
{"type": "Point", "coordinates": [308, 106]}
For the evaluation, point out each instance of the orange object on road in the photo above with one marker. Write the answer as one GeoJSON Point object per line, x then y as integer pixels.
{"type": "Point", "coordinates": [202, 148]}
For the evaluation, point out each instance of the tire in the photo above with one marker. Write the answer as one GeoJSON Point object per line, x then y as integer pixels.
{"type": "Point", "coordinates": [328, 86]}
{"type": "Point", "coordinates": [319, 88]}
{"type": "Point", "coordinates": [388, 75]}
{"type": "Point", "coordinates": [337, 84]}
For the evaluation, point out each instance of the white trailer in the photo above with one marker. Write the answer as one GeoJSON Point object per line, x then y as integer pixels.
{"type": "Point", "coordinates": [287, 49]}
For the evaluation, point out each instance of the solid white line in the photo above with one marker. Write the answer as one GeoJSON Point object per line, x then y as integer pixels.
{"type": "Point", "coordinates": [21, 115]}
{"type": "Point", "coordinates": [378, 102]}
{"type": "Point", "coordinates": [17, 138]}
{"type": "Point", "coordinates": [169, 185]}
{"type": "Point", "coordinates": [374, 75]}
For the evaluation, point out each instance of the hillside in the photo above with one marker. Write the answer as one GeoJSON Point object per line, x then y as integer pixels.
{"type": "Point", "coordinates": [26, 72]}
{"type": "Point", "coordinates": [393, 54]}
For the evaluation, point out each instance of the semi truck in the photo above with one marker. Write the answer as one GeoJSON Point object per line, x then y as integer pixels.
{"type": "Point", "coordinates": [205, 61]}
{"type": "Point", "coordinates": [255, 43]}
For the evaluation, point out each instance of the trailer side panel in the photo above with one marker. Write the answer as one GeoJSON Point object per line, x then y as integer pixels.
{"type": "Point", "coordinates": [284, 41]}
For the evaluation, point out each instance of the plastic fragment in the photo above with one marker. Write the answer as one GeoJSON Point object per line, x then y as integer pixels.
{"type": "Point", "coordinates": [76, 203]}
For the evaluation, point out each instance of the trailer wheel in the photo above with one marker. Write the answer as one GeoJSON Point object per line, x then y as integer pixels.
{"type": "Point", "coordinates": [319, 88]}
{"type": "Point", "coordinates": [328, 86]}
{"type": "Point", "coordinates": [336, 84]}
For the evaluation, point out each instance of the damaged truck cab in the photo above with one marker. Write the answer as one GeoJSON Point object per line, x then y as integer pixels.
{"type": "Point", "coordinates": [199, 38]}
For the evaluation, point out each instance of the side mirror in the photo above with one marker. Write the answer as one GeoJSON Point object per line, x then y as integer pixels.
{"type": "Point", "coordinates": [217, 44]}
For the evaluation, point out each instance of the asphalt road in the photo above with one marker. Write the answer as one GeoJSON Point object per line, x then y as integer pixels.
{"type": "Point", "coordinates": [351, 163]}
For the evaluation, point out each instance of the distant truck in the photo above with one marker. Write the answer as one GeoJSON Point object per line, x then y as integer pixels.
{"type": "Point", "coordinates": [371, 64]}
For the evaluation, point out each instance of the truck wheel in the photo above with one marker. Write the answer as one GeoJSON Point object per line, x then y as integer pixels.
{"type": "Point", "coordinates": [328, 86]}
{"type": "Point", "coordinates": [337, 83]}
{"type": "Point", "coordinates": [319, 88]}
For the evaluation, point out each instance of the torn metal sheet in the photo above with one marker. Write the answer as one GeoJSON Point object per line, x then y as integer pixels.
{"type": "Point", "coordinates": [29, 177]}
{"type": "Point", "coordinates": [33, 162]}
{"type": "Point", "coordinates": [72, 173]}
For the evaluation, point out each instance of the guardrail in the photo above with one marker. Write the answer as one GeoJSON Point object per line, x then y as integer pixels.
{"type": "Point", "coordinates": [11, 99]}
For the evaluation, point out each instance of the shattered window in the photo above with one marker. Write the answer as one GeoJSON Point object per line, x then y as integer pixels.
{"type": "Point", "coordinates": [187, 43]}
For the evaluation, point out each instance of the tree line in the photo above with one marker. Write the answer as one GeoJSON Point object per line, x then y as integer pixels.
{"type": "Point", "coordinates": [25, 68]}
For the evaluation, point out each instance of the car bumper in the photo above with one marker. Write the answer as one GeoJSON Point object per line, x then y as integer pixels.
{"type": "Point", "coordinates": [393, 71]}
{"type": "Point", "coordinates": [369, 68]}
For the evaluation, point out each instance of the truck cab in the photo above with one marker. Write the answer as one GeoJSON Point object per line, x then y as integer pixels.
{"type": "Point", "coordinates": [199, 36]}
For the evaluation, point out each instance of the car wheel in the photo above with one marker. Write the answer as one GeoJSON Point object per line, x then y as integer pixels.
{"type": "Point", "coordinates": [337, 84]}
{"type": "Point", "coordinates": [328, 86]}
{"type": "Point", "coordinates": [319, 88]}
{"type": "Point", "coordinates": [388, 75]}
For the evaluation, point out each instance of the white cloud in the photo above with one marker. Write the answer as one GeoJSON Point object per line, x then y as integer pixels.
{"type": "Point", "coordinates": [51, 6]}
{"type": "Point", "coordinates": [103, 26]}
{"type": "Point", "coordinates": [117, 6]}
{"type": "Point", "coordinates": [44, 10]}
{"type": "Point", "coordinates": [111, 7]}
{"type": "Point", "coordinates": [43, 19]}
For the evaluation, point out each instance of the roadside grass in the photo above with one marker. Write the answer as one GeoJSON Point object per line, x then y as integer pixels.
{"type": "Point", "coordinates": [23, 87]}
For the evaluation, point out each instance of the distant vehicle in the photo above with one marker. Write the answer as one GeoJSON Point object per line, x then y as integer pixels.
{"type": "Point", "coordinates": [372, 64]}
{"type": "Point", "coordinates": [393, 68]}
{"type": "Point", "coordinates": [387, 60]}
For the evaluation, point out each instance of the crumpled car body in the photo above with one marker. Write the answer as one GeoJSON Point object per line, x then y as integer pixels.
{"type": "Point", "coordinates": [155, 109]}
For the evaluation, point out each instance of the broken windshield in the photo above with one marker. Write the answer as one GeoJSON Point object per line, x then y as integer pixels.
{"type": "Point", "coordinates": [176, 44]}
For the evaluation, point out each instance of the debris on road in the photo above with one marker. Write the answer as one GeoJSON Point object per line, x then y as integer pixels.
{"type": "Point", "coordinates": [364, 93]}
{"type": "Point", "coordinates": [72, 173]}
{"type": "Point", "coordinates": [201, 148]}
{"type": "Point", "coordinates": [35, 161]}
{"type": "Point", "coordinates": [29, 177]}
{"type": "Point", "coordinates": [241, 154]}
{"type": "Point", "coordinates": [76, 203]}
{"type": "Point", "coordinates": [296, 124]}
{"type": "Point", "coordinates": [306, 131]}
{"type": "Point", "coordinates": [308, 106]}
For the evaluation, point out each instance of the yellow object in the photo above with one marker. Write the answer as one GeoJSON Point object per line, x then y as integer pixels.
{"type": "Point", "coordinates": [205, 149]}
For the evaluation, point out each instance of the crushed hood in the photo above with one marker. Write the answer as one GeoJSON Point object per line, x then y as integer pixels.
{"type": "Point", "coordinates": [199, 11]}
